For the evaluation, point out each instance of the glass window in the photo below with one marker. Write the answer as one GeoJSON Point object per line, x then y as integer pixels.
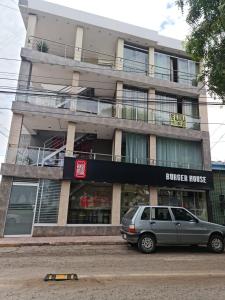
{"type": "Point", "coordinates": [131, 212]}
{"type": "Point", "coordinates": [90, 203]}
{"type": "Point", "coordinates": [135, 103]}
{"type": "Point", "coordinates": [135, 59]}
{"type": "Point", "coordinates": [179, 153]}
{"type": "Point", "coordinates": [132, 195]}
{"type": "Point", "coordinates": [193, 201]}
{"type": "Point", "coordinates": [160, 214]}
{"type": "Point", "coordinates": [146, 214]}
{"type": "Point", "coordinates": [136, 148]}
{"type": "Point", "coordinates": [181, 214]}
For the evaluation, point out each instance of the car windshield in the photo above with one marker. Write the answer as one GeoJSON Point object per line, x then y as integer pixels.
{"type": "Point", "coordinates": [131, 212]}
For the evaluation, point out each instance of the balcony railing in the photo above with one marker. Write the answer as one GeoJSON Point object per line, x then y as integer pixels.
{"type": "Point", "coordinates": [105, 108]}
{"type": "Point", "coordinates": [111, 61]}
{"type": "Point", "coordinates": [36, 156]}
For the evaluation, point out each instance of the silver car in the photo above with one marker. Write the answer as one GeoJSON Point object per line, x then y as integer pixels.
{"type": "Point", "coordinates": [149, 226]}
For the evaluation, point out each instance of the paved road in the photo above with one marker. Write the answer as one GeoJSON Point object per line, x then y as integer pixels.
{"type": "Point", "coordinates": [112, 272]}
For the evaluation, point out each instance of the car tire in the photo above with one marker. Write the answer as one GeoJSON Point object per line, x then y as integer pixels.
{"type": "Point", "coordinates": [216, 243]}
{"type": "Point", "coordinates": [147, 243]}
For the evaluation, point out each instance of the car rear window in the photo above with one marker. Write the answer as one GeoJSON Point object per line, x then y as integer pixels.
{"type": "Point", "coordinates": [131, 212]}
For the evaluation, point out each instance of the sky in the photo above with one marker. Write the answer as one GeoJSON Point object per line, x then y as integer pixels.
{"type": "Point", "coordinates": [160, 15]}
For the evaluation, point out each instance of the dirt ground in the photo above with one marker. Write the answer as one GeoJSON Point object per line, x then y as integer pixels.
{"type": "Point", "coordinates": [111, 272]}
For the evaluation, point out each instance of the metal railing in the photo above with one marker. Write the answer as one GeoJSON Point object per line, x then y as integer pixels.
{"type": "Point", "coordinates": [110, 61]}
{"type": "Point", "coordinates": [103, 108]}
{"type": "Point", "coordinates": [35, 156]}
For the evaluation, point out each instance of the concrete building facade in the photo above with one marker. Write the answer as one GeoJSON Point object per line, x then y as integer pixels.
{"type": "Point", "coordinates": [107, 115]}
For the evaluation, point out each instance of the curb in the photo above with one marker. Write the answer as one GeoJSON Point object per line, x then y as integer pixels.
{"type": "Point", "coordinates": [8, 245]}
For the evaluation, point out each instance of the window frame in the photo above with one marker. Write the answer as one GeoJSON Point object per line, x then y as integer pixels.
{"type": "Point", "coordinates": [157, 207]}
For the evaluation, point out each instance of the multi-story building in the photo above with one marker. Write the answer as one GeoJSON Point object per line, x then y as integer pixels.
{"type": "Point", "coordinates": [107, 115]}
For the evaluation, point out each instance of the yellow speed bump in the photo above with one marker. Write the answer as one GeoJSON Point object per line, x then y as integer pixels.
{"type": "Point", "coordinates": [58, 277]}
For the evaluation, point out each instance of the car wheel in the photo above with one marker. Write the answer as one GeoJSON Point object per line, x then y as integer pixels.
{"type": "Point", "coordinates": [147, 243]}
{"type": "Point", "coordinates": [216, 243]}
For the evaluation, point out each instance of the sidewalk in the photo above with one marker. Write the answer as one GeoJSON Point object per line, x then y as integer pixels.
{"type": "Point", "coordinates": [64, 240]}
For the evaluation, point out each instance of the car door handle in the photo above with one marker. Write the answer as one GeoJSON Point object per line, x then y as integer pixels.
{"type": "Point", "coordinates": [178, 224]}
{"type": "Point", "coordinates": [152, 223]}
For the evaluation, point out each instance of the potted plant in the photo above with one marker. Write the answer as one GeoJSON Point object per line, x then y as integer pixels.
{"type": "Point", "coordinates": [42, 47]}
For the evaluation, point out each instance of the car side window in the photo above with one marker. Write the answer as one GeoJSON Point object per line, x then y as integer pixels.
{"type": "Point", "coordinates": [160, 214]}
{"type": "Point", "coordinates": [146, 214]}
{"type": "Point", "coordinates": [181, 214]}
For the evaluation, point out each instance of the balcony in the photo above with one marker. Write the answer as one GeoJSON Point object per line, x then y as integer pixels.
{"type": "Point", "coordinates": [171, 73]}
{"type": "Point", "coordinates": [35, 156]}
{"type": "Point", "coordinates": [88, 106]}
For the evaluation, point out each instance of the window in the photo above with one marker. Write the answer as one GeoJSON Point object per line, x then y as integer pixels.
{"type": "Point", "coordinates": [135, 103]}
{"type": "Point", "coordinates": [135, 59]}
{"type": "Point", "coordinates": [146, 214]}
{"type": "Point", "coordinates": [175, 69]}
{"type": "Point", "coordinates": [90, 203]}
{"type": "Point", "coordinates": [195, 202]}
{"type": "Point", "coordinates": [136, 148]}
{"type": "Point", "coordinates": [131, 212]}
{"type": "Point", "coordinates": [181, 214]}
{"type": "Point", "coordinates": [132, 195]}
{"type": "Point", "coordinates": [160, 214]}
{"type": "Point", "coordinates": [179, 153]}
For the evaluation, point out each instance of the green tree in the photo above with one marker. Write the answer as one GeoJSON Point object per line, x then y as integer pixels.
{"type": "Point", "coordinates": [206, 42]}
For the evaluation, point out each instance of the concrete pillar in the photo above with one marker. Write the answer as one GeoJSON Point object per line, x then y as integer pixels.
{"type": "Point", "coordinates": [116, 204]}
{"type": "Point", "coordinates": [203, 112]}
{"type": "Point", "coordinates": [206, 154]}
{"type": "Point", "coordinates": [117, 145]}
{"type": "Point", "coordinates": [65, 186]}
{"type": "Point", "coordinates": [70, 139]}
{"type": "Point", "coordinates": [64, 203]}
{"type": "Point", "coordinates": [151, 106]}
{"type": "Point", "coordinates": [5, 191]}
{"type": "Point", "coordinates": [78, 43]}
{"type": "Point", "coordinates": [151, 62]}
{"type": "Point", "coordinates": [119, 55]}
{"type": "Point", "coordinates": [152, 150]}
{"type": "Point", "coordinates": [24, 75]}
{"type": "Point", "coordinates": [14, 138]}
{"type": "Point", "coordinates": [116, 191]}
{"type": "Point", "coordinates": [153, 195]}
{"type": "Point", "coordinates": [119, 99]}
{"type": "Point", "coordinates": [31, 29]}
{"type": "Point", "coordinates": [74, 90]}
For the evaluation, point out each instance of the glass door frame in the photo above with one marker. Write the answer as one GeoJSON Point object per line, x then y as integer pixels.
{"type": "Point", "coordinates": [23, 183]}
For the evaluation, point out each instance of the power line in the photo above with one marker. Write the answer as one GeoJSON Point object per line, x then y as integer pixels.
{"type": "Point", "coordinates": [98, 68]}
{"type": "Point", "coordinates": [123, 100]}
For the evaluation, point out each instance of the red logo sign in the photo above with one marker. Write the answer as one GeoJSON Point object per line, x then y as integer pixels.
{"type": "Point", "coordinates": [80, 169]}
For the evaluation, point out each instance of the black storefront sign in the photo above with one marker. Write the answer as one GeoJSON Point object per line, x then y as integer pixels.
{"type": "Point", "coordinates": [119, 172]}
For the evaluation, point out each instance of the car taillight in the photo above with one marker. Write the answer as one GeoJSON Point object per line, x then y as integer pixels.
{"type": "Point", "coordinates": [131, 229]}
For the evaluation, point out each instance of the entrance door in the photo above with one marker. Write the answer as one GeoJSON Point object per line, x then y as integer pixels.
{"type": "Point", "coordinates": [20, 213]}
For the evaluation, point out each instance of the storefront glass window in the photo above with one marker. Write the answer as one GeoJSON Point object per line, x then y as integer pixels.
{"type": "Point", "coordinates": [90, 203]}
{"type": "Point", "coordinates": [133, 195]}
{"type": "Point", "coordinates": [193, 201]}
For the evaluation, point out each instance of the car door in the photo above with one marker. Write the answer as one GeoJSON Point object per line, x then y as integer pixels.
{"type": "Point", "coordinates": [163, 226]}
{"type": "Point", "coordinates": [189, 229]}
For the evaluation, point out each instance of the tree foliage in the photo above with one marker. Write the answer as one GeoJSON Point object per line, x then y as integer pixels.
{"type": "Point", "coordinates": [206, 41]}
